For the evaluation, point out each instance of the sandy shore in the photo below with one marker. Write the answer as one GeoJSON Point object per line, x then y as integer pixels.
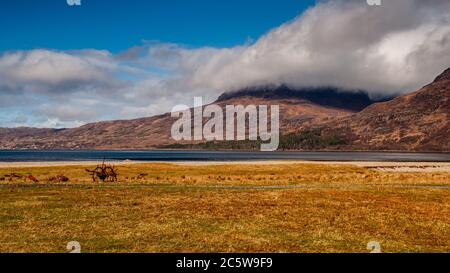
{"type": "Point", "coordinates": [4, 165]}
{"type": "Point", "coordinates": [381, 166]}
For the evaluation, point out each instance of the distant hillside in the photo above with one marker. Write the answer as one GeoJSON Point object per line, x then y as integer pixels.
{"type": "Point", "coordinates": [299, 109]}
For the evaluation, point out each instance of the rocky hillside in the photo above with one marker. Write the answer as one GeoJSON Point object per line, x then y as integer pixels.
{"type": "Point", "coordinates": [419, 121]}
{"type": "Point", "coordinates": [299, 109]}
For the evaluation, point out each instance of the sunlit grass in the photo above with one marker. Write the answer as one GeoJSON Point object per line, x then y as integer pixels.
{"type": "Point", "coordinates": [245, 174]}
{"type": "Point", "coordinates": [203, 219]}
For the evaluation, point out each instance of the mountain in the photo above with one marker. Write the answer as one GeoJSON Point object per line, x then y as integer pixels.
{"type": "Point", "coordinates": [419, 121]}
{"type": "Point", "coordinates": [299, 109]}
{"type": "Point", "coordinates": [355, 100]}
{"type": "Point", "coordinates": [310, 119]}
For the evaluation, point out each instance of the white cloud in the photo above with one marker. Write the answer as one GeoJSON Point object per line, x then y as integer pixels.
{"type": "Point", "coordinates": [49, 67]}
{"type": "Point", "coordinates": [348, 44]}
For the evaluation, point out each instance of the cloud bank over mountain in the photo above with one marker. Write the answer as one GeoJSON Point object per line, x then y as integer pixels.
{"type": "Point", "coordinates": [388, 49]}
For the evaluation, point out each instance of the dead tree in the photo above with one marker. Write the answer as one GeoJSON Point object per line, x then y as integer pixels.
{"type": "Point", "coordinates": [104, 173]}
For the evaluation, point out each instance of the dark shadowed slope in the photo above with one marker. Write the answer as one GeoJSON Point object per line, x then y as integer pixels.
{"type": "Point", "coordinates": [354, 101]}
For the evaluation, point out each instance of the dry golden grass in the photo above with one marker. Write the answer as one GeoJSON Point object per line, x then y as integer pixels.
{"type": "Point", "coordinates": [341, 209]}
{"type": "Point", "coordinates": [276, 174]}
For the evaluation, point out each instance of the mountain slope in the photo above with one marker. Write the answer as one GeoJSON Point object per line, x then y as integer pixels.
{"type": "Point", "coordinates": [416, 121]}
{"type": "Point", "coordinates": [297, 111]}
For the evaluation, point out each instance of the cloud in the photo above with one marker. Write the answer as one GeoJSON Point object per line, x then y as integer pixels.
{"type": "Point", "coordinates": [390, 49]}
{"type": "Point", "coordinates": [67, 113]}
{"type": "Point", "coordinates": [395, 48]}
{"type": "Point", "coordinates": [45, 70]}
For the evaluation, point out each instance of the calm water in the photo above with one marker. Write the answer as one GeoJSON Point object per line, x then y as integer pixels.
{"type": "Point", "coordinates": [29, 156]}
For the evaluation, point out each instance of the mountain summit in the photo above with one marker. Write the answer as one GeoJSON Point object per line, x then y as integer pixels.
{"type": "Point", "coordinates": [445, 76]}
{"type": "Point", "coordinates": [352, 100]}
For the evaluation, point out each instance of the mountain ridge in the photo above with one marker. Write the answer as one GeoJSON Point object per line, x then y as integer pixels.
{"type": "Point", "coordinates": [417, 121]}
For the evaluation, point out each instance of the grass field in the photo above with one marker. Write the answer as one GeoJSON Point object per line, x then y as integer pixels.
{"type": "Point", "coordinates": [226, 208]}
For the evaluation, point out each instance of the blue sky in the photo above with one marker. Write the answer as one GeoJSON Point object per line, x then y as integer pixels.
{"type": "Point", "coordinates": [65, 66]}
{"type": "Point", "coordinates": [117, 25]}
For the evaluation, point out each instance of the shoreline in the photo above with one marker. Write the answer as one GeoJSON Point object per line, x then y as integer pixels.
{"type": "Point", "coordinates": [386, 166]}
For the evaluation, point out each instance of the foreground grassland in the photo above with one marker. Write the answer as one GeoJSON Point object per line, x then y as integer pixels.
{"type": "Point", "coordinates": [226, 208]}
